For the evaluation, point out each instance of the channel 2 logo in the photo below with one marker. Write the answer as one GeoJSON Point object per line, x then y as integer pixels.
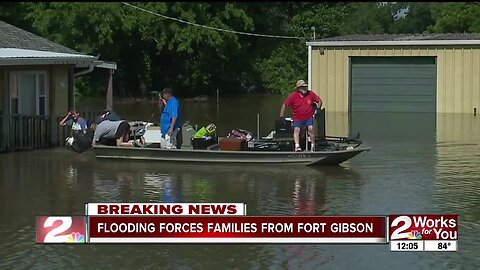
{"type": "Point", "coordinates": [423, 227]}
{"type": "Point", "coordinates": [55, 229]}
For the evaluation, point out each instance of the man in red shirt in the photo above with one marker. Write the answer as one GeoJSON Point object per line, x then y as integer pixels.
{"type": "Point", "coordinates": [302, 102]}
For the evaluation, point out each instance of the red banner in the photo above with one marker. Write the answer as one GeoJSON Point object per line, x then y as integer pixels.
{"type": "Point", "coordinates": [237, 229]}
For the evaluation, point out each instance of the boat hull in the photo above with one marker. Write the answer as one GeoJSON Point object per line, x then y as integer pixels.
{"type": "Point", "coordinates": [216, 156]}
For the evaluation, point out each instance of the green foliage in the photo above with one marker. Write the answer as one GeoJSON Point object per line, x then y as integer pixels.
{"type": "Point", "coordinates": [457, 17]}
{"type": "Point", "coordinates": [368, 18]}
{"type": "Point", "coordinates": [87, 88]}
{"type": "Point", "coordinates": [416, 21]}
{"type": "Point", "coordinates": [283, 67]}
{"type": "Point", "coordinates": [288, 62]}
{"type": "Point", "coordinates": [154, 52]}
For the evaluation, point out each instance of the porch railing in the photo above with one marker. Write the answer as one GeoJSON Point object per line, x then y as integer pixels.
{"type": "Point", "coordinates": [26, 132]}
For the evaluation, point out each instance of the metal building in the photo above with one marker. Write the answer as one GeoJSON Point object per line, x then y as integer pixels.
{"type": "Point", "coordinates": [397, 73]}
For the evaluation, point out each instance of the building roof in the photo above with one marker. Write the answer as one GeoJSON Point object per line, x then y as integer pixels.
{"type": "Point", "coordinates": [20, 47]}
{"type": "Point", "coordinates": [21, 53]}
{"type": "Point", "coordinates": [431, 39]}
{"type": "Point", "coordinates": [14, 37]}
{"type": "Point", "coordinates": [13, 56]}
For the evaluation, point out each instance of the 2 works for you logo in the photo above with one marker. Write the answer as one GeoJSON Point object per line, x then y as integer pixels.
{"type": "Point", "coordinates": [423, 227]}
{"type": "Point", "coordinates": [55, 229]}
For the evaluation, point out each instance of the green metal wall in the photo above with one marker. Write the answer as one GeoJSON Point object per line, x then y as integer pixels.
{"type": "Point", "coordinates": [393, 84]}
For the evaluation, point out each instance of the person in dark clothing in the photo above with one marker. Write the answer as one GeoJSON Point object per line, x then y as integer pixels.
{"type": "Point", "coordinates": [114, 133]}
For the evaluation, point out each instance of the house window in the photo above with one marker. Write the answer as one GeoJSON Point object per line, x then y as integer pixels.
{"type": "Point", "coordinates": [29, 93]}
{"type": "Point", "coordinates": [42, 94]}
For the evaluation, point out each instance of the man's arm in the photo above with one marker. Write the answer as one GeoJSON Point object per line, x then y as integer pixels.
{"type": "Point", "coordinates": [286, 103]}
{"type": "Point", "coordinates": [282, 110]}
{"type": "Point", "coordinates": [161, 102]}
{"type": "Point", "coordinates": [173, 111]}
{"type": "Point", "coordinates": [120, 142]}
{"type": "Point", "coordinates": [62, 123]}
{"type": "Point", "coordinates": [172, 125]}
{"type": "Point", "coordinates": [317, 100]}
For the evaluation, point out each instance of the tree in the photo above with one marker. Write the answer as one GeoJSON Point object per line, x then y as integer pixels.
{"type": "Point", "coordinates": [456, 17]}
{"type": "Point", "coordinates": [368, 18]}
{"type": "Point", "coordinates": [153, 52]}
{"type": "Point", "coordinates": [287, 63]}
{"type": "Point", "coordinates": [418, 18]}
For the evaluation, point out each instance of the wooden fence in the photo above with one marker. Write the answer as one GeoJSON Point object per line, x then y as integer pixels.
{"type": "Point", "coordinates": [27, 132]}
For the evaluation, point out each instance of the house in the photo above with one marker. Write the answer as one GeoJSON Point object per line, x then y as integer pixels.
{"type": "Point", "coordinates": [37, 87]}
{"type": "Point", "coordinates": [431, 73]}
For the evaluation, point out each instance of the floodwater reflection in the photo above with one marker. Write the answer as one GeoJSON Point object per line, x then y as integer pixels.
{"type": "Point", "coordinates": [419, 163]}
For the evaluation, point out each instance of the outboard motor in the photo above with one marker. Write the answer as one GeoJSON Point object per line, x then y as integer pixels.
{"type": "Point", "coordinates": [137, 129]}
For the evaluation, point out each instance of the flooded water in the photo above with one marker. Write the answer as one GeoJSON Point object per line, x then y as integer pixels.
{"type": "Point", "coordinates": [419, 163]}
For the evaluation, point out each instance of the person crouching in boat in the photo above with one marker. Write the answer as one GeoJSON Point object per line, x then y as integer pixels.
{"type": "Point", "coordinates": [170, 120]}
{"type": "Point", "coordinates": [301, 101]}
{"type": "Point", "coordinates": [114, 133]}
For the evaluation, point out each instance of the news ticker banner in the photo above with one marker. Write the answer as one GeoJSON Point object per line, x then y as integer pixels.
{"type": "Point", "coordinates": [227, 223]}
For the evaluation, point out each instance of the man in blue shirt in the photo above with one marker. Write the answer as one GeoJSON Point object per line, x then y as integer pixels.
{"type": "Point", "coordinates": [170, 119]}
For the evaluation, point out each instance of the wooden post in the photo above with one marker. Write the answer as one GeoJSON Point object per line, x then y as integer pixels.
{"type": "Point", "coordinates": [71, 90]}
{"type": "Point", "coordinates": [110, 91]}
{"type": "Point", "coordinates": [218, 108]}
{"type": "Point", "coordinates": [52, 89]}
{"type": "Point", "coordinates": [6, 109]}
{"type": "Point", "coordinates": [258, 125]}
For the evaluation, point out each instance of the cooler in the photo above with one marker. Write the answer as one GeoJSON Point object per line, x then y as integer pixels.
{"type": "Point", "coordinates": [203, 143]}
{"type": "Point", "coordinates": [187, 134]}
{"type": "Point", "coordinates": [232, 144]}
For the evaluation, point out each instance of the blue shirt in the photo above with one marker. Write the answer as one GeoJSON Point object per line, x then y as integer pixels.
{"type": "Point", "coordinates": [172, 109]}
{"type": "Point", "coordinates": [80, 124]}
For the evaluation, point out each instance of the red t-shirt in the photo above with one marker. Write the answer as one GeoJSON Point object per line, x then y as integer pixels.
{"type": "Point", "coordinates": [302, 105]}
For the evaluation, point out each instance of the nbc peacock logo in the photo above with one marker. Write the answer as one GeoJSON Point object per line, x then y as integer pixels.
{"type": "Point", "coordinates": [414, 235]}
{"type": "Point", "coordinates": [75, 237]}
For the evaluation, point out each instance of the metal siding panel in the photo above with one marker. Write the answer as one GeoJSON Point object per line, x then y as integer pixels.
{"type": "Point", "coordinates": [316, 86]}
{"type": "Point", "coordinates": [467, 84]}
{"type": "Point", "coordinates": [449, 81]}
{"type": "Point", "coordinates": [458, 88]}
{"type": "Point", "coordinates": [476, 79]}
{"type": "Point", "coordinates": [346, 79]}
{"type": "Point", "coordinates": [331, 78]}
{"type": "Point", "coordinates": [323, 67]}
{"type": "Point", "coordinates": [378, 84]}
{"type": "Point", "coordinates": [339, 79]}
{"type": "Point", "coordinates": [441, 81]}
{"type": "Point", "coordinates": [336, 123]}
{"type": "Point", "coordinates": [448, 129]}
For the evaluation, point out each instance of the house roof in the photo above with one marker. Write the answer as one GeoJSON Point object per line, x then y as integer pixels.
{"type": "Point", "coordinates": [20, 47]}
{"type": "Point", "coordinates": [13, 56]}
{"type": "Point", "coordinates": [400, 39]}
{"type": "Point", "coordinates": [14, 37]}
